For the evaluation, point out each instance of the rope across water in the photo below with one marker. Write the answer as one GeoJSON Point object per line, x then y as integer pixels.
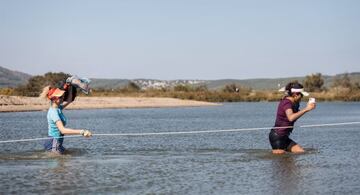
{"type": "Point", "coordinates": [186, 132]}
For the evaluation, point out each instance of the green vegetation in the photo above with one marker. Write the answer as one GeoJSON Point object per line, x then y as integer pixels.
{"type": "Point", "coordinates": [343, 88]}
{"type": "Point", "coordinates": [35, 84]}
{"type": "Point", "coordinates": [314, 83]}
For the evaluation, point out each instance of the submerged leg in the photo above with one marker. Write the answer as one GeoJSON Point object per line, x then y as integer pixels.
{"type": "Point", "coordinates": [278, 151]}
{"type": "Point", "coordinates": [297, 149]}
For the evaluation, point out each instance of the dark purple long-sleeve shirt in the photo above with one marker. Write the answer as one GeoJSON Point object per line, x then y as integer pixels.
{"type": "Point", "coordinates": [281, 118]}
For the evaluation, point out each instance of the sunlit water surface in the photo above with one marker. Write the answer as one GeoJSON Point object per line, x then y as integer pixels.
{"type": "Point", "coordinates": [211, 163]}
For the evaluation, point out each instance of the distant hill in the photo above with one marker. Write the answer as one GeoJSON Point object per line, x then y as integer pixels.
{"type": "Point", "coordinates": [274, 83]}
{"type": "Point", "coordinates": [257, 84]}
{"type": "Point", "coordinates": [108, 83]}
{"type": "Point", "coordinates": [10, 78]}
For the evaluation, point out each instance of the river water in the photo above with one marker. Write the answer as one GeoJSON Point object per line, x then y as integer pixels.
{"type": "Point", "coordinates": [210, 163]}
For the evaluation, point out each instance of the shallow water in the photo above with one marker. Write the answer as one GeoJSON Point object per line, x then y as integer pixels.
{"type": "Point", "coordinates": [212, 163]}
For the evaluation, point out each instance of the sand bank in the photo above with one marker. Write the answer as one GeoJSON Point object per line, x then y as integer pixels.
{"type": "Point", "coordinates": [19, 104]}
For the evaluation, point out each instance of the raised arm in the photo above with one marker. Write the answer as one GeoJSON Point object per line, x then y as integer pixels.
{"type": "Point", "coordinates": [65, 104]}
{"type": "Point", "coordinates": [71, 94]}
{"type": "Point", "coordinates": [294, 116]}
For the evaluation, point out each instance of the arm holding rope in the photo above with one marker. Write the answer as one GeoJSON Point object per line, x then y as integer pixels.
{"type": "Point", "coordinates": [68, 131]}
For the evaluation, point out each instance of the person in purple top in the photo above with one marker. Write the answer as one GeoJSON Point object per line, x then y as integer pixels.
{"type": "Point", "coordinates": [287, 113]}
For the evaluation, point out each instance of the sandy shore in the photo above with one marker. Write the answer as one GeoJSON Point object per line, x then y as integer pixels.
{"type": "Point", "coordinates": [20, 104]}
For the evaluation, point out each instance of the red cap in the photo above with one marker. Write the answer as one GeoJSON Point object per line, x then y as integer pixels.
{"type": "Point", "coordinates": [55, 92]}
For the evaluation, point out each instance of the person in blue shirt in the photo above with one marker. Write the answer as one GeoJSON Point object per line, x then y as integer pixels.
{"type": "Point", "coordinates": [57, 121]}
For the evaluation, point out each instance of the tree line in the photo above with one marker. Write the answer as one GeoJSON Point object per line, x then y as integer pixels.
{"type": "Point", "coordinates": [35, 84]}
{"type": "Point", "coordinates": [315, 83]}
{"type": "Point", "coordinates": [342, 88]}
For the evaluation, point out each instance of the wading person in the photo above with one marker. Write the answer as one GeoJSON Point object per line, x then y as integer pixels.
{"type": "Point", "coordinates": [287, 113]}
{"type": "Point", "coordinates": [57, 120]}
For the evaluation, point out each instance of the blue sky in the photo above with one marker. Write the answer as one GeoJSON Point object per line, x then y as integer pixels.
{"type": "Point", "coordinates": [187, 39]}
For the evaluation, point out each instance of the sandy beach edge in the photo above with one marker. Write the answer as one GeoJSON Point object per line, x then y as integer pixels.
{"type": "Point", "coordinates": [26, 104]}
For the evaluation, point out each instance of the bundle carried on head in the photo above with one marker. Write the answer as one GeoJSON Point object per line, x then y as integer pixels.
{"type": "Point", "coordinates": [69, 87]}
{"type": "Point", "coordinates": [81, 83]}
{"type": "Point", "coordinates": [72, 84]}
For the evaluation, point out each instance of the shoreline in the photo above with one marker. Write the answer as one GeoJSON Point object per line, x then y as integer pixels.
{"type": "Point", "coordinates": [28, 104]}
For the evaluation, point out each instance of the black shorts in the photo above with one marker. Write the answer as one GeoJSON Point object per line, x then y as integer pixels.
{"type": "Point", "coordinates": [280, 142]}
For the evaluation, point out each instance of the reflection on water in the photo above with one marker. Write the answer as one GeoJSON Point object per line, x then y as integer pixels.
{"type": "Point", "coordinates": [217, 163]}
{"type": "Point", "coordinates": [286, 174]}
{"type": "Point", "coordinates": [41, 154]}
